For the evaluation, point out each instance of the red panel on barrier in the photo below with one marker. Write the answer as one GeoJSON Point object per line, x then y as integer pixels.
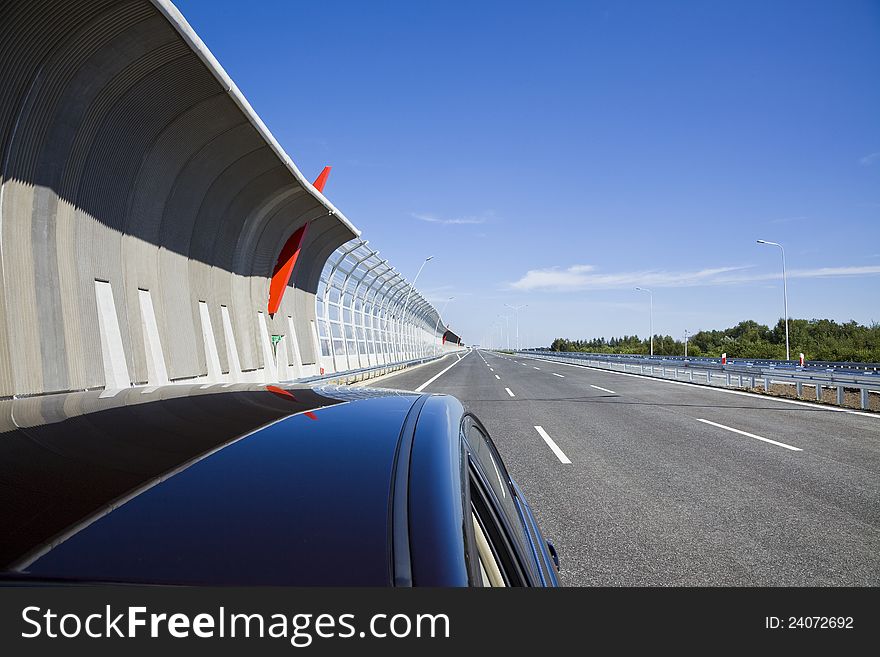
{"type": "Point", "coordinates": [321, 180]}
{"type": "Point", "coordinates": [289, 253]}
{"type": "Point", "coordinates": [284, 268]}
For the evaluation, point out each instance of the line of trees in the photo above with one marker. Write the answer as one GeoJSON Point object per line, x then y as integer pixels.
{"type": "Point", "coordinates": [817, 339]}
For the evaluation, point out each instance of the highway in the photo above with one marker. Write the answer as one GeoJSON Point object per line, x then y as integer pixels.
{"type": "Point", "coordinates": [644, 482]}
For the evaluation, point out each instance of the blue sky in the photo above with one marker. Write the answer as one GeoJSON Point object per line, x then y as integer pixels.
{"type": "Point", "coordinates": [558, 154]}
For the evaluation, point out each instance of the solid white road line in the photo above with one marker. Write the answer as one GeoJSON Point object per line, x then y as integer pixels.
{"type": "Point", "coordinates": [497, 377]}
{"type": "Point", "coordinates": [603, 389]}
{"type": "Point", "coordinates": [435, 377]}
{"type": "Point", "coordinates": [559, 375]}
{"type": "Point", "coordinates": [552, 445]}
{"type": "Point", "coordinates": [405, 370]}
{"type": "Point", "coordinates": [510, 393]}
{"type": "Point", "coordinates": [750, 435]}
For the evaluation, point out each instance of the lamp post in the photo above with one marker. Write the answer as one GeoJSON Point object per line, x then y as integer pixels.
{"type": "Point", "coordinates": [409, 292]}
{"type": "Point", "coordinates": [685, 344]}
{"type": "Point", "coordinates": [506, 318]}
{"type": "Point", "coordinates": [441, 313]}
{"type": "Point", "coordinates": [516, 310]}
{"type": "Point", "coordinates": [784, 294]}
{"type": "Point", "coordinates": [651, 299]}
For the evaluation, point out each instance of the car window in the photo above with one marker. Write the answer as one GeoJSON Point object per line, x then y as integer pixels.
{"type": "Point", "coordinates": [496, 477]}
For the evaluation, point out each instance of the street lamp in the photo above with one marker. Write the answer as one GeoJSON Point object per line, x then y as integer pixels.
{"type": "Point", "coordinates": [441, 313]}
{"type": "Point", "coordinates": [506, 318]}
{"type": "Point", "coordinates": [651, 299]}
{"type": "Point", "coordinates": [685, 344]}
{"type": "Point", "coordinates": [516, 309]}
{"type": "Point", "coordinates": [784, 294]}
{"type": "Point", "coordinates": [411, 288]}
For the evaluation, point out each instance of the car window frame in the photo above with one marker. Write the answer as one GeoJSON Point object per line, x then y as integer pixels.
{"type": "Point", "coordinates": [496, 529]}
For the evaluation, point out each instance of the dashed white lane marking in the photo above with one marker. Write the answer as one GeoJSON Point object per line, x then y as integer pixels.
{"type": "Point", "coordinates": [436, 376]}
{"type": "Point", "coordinates": [552, 445]}
{"type": "Point", "coordinates": [497, 377]}
{"type": "Point", "coordinates": [559, 375]}
{"type": "Point", "coordinates": [603, 389]}
{"type": "Point", "coordinates": [491, 370]}
{"type": "Point", "coordinates": [750, 435]}
{"type": "Point", "coordinates": [537, 368]}
{"type": "Point", "coordinates": [509, 392]}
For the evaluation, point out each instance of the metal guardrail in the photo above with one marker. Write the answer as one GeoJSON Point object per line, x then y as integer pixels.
{"type": "Point", "coordinates": [741, 374]}
{"type": "Point", "coordinates": [842, 366]}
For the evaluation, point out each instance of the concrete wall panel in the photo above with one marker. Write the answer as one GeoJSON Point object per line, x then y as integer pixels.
{"type": "Point", "coordinates": [129, 157]}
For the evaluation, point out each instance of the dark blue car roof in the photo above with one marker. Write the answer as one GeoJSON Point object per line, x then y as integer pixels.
{"type": "Point", "coordinates": [244, 486]}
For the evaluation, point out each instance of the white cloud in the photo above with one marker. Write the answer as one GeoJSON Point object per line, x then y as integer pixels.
{"type": "Point", "coordinates": [828, 272]}
{"type": "Point", "coordinates": [455, 221]}
{"type": "Point", "coordinates": [869, 159]}
{"type": "Point", "coordinates": [583, 277]}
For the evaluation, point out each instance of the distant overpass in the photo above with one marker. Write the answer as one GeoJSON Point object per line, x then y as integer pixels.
{"type": "Point", "coordinates": [149, 219]}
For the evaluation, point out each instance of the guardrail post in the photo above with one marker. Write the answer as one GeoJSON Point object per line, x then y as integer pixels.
{"type": "Point", "coordinates": [840, 392]}
{"type": "Point", "coordinates": [818, 392]}
{"type": "Point", "coordinates": [753, 381]}
{"type": "Point", "coordinates": [766, 383]}
{"type": "Point", "coordinates": [708, 377]}
{"type": "Point", "coordinates": [799, 388]}
{"type": "Point", "coordinates": [691, 376]}
{"type": "Point", "coordinates": [864, 396]}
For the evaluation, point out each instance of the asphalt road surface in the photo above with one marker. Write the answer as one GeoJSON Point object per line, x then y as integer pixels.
{"type": "Point", "coordinates": [676, 484]}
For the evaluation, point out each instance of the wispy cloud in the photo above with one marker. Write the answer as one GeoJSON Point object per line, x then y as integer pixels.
{"type": "Point", "coordinates": [454, 221]}
{"type": "Point", "coordinates": [584, 277]}
{"type": "Point", "coordinates": [831, 272]}
{"type": "Point", "coordinates": [870, 159]}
